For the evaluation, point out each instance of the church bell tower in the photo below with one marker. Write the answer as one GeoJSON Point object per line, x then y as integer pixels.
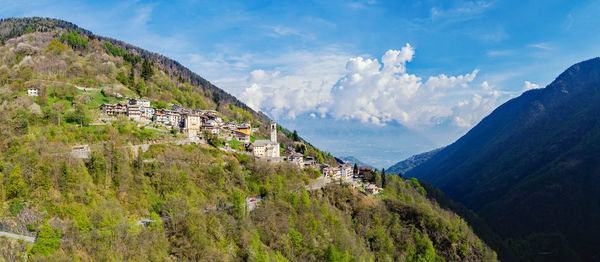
{"type": "Point", "coordinates": [274, 132]}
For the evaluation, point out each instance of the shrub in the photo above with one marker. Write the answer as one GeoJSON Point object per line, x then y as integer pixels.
{"type": "Point", "coordinates": [16, 186]}
{"type": "Point", "coordinates": [15, 207]}
{"type": "Point", "coordinates": [74, 40]}
{"type": "Point", "coordinates": [47, 241]}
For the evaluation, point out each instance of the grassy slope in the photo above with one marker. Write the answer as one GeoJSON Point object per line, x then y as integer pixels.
{"type": "Point", "coordinates": [198, 190]}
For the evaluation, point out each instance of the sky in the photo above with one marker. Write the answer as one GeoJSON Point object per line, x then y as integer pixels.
{"type": "Point", "coordinates": [378, 80]}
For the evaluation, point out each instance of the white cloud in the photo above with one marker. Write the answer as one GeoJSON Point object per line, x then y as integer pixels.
{"type": "Point", "coordinates": [299, 83]}
{"type": "Point", "coordinates": [468, 112]}
{"type": "Point", "coordinates": [500, 52]}
{"type": "Point", "coordinates": [371, 91]}
{"type": "Point", "coordinates": [281, 31]}
{"type": "Point", "coordinates": [541, 46]}
{"type": "Point", "coordinates": [528, 86]}
{"type": "Point", "coordinates": [461, 12]}
{"type": "Point", "coordinates": [361, 4]}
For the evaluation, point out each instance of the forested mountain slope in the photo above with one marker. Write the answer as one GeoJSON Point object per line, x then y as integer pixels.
{"type": "Point", "coordinates": [175, 202]}
{"type": "Point", "coordinates": [532, 168]}
{"type": "Point", "coordinates": [412, 162]}
{"type": "Point", "coordinates": [13, 27]}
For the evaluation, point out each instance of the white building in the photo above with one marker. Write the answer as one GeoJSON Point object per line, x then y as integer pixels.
{"type": "Point", "coordinates": [267, 148]}
{"type": "Point", "coordinates": [191, 124]}
{"type": "Point", "coordinates": [174, 118]}
{"type": "Point", "coordinates": [147, 112]}
{"type": "Point", "coordinates": [372, 189]}
{"type": "Point", "coordinates": [331, 172]}
{"type": "Point", "coordinates": [32, 91]}
{"type": "Point", "coordinates": [134, 112]}
{"type": "Point", "coordinates": [297, 159]}
{"type": "Point", "coordinates": [274, 132]}
{"type": "Point", "coordinates": [242, 137]}
{"type": "Point", "coordinates": [347, 171]}
{"type": "Point", "coordinates": [81, 152]}
{"type": "Point", "coordinates": [211, 126]}
{"type": "Point", "coordinates": [139, 102]}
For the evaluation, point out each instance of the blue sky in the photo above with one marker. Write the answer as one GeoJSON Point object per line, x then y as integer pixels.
{"type": "Point", "coordinates": [379, 80]}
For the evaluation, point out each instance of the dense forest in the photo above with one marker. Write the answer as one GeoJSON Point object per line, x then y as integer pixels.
{"type": "Point", "coordinates": [176, 202]}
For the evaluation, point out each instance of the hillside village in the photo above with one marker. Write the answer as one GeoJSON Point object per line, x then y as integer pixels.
{"type": "Point", "coordinates": [109, 153]}
{"type": "Point", "coordinates": [199, 125]}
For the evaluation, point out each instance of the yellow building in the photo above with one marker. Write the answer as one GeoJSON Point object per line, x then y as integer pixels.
{"type": "Point", "coordinates": [244, 128]}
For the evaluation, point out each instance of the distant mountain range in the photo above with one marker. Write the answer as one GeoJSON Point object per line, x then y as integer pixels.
{"type": "Point", "coordinates": [353, 160]}
{"type": "Point", "coordinates": [531, 169]}
{"type": "Point", "coordinates": [405, 165]}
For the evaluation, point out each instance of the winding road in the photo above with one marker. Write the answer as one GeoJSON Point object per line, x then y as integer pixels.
{"type": "Point", "coordinates": [16, 236]}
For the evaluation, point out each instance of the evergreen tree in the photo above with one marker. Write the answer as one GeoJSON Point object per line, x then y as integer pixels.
{"type": "Point", "coordinates": [147, 69]}
{"type": "Point", "coordinates": [383, 178]}
{"type": "Point", "coordinates": [355, 170]}
{"type": "Point", "coordinates": [16, 186]}
{"type": "Point", "coordinates": [47, 240]}
{"type": "Point", "coordinates": [132, 76]}
{"type": "Point", "coordinates": [217, 100]}
{"type": "Point", "coordinates": [1, 186]}
{"type": "Point", "coordinates": [140, 88]}
{"type": "Point", "coordinates": [295, 136]}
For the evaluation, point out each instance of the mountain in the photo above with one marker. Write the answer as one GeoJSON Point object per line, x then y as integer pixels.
{"type": "Point", "coordinates": [531, 169]}
{"type": "Point", "coordinates": [83, 185]}
{"type": "Point", "coordinates": [13, 27]}
{"type": "Point", "coordinates": [405, 165]}
{"type": "Point", "coordinates": [353, 160]}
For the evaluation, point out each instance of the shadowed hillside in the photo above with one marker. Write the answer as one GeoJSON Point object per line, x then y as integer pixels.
{"type": "Point", "coordinates": [531, 168]}
{"type": "Point", "coordinates": [412, 162]}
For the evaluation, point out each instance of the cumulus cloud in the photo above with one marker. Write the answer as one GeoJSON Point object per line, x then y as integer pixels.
{"type": "Point", "coordinates": [301, 86]}
{"type": "Point", "coordinates": [528, 86]}
{"type": "Point", "coordinates": [375, 92]}
{"type": "Point", "coordinates": [468, 112]}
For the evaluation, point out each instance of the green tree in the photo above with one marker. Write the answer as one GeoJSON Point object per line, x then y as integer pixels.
{"type": "Point", "coordinates": [97, 167]}
{"type": "Point", "coordinates": [141, 88]}
{"type": "Point", "coordinates": [156, 224]}
{"type": "Point", "coordinates": [320, 159]}
{"type": "Point", "coordinates": [122, 77]}
{"type": "Point", "coordinates": [418, 186]}
{"type": "Point", "coordinates": [47, 240]}
{"type": "Point", "coordinates": [20, 121]}
{"type": "Point", "coordinates": [2, 193]}
{"type": "Point", "coordinates": [69, 176]}
{"type": "Point", "coordinates": [161, 105]}
{"type": "Point", "coordinates": [80, 115]}
{"type": "Point", "coordinates": [74, 40]}
{"type": "Point", "coordinates": [331, 255]}
{"type": "Point", "coordinates": [376, 178]}
{"type": "Point", "coordinates": [295, 136]}
{"type": "Point", "coordinates": [425, 251]}
{"type": "Point", "coordinates": [355, 170]}
{"type": "Point", "coordinates": [383, 178]}
{"type": "Point", "coordinates": [296, 239]}
{"type": "Point", "coordinates": [56, 47]}
{"type": "Point", "coordinates": [147, 69]}
{"type": "Point", "coordinates": [132, 76]}
{"type": "Point", "coordinates": [217, 100]}
{"type": "Point", "coordinates": [15, 186]}
{"type": "Point", "coordinates": [239, 204]}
